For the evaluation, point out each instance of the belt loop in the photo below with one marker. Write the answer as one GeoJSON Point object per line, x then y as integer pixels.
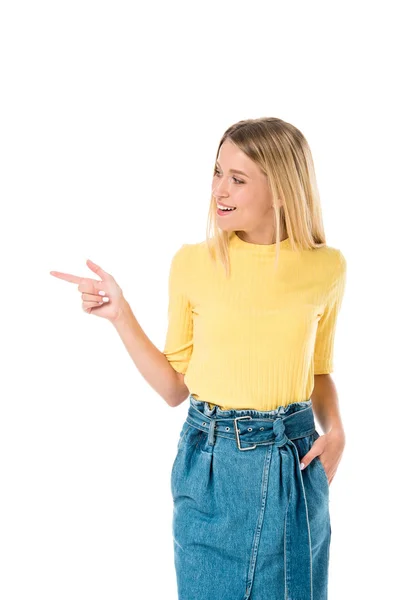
{"type": "Point", "coordinates": [211, 434]}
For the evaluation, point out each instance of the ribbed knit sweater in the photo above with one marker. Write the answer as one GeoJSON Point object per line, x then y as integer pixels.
{"type": "Point", "coordinates": [254, 340]}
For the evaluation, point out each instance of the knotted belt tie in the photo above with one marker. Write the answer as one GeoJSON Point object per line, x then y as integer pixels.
{"type": "Point", "coordinates": [279, 431]}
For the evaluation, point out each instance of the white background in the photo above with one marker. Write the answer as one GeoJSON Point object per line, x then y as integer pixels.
{"type": "Point", "coordinates": [111, 113]}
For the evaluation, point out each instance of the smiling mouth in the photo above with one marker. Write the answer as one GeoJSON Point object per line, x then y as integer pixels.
{"type": "Point", "coordinates": [225, 209]}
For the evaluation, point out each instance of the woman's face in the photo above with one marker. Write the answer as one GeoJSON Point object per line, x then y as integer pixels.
{"type": "Point", "coordinates": [247, 191]}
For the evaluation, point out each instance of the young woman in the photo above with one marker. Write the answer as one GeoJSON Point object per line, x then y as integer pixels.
{"type": "Point", "coordinates": [251, 323]}
{"type": "Point", "coordinates": [252, 317]}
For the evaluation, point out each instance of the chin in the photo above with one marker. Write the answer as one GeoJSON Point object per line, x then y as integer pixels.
{"type": "Point", "coordinates": [226, 228]}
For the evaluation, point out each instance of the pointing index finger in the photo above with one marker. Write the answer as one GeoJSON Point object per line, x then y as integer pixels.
{"type": "Point", "coordinates": [67, 277]}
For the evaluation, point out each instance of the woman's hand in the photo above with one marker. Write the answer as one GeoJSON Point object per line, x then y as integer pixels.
{"type": "Point", "coordinates": [104, 298]}
{"type": "Point", "coordinates": [329, 447]}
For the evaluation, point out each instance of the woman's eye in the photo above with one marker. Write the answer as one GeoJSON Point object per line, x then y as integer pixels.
{"type": "Point", "coordinates": [216, 172]}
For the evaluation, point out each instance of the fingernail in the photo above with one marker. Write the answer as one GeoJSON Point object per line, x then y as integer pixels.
{"type": "Point", "coordinates": [101, 293]}
{"type": "Point", "coordinates": [302, 465]}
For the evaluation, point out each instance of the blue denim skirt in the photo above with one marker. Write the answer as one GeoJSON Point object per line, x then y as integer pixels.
{"type": "Point", "coordinates": [248, 523]}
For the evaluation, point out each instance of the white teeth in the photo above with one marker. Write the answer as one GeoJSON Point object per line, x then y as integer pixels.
{"type": "Point", "coordinates": [225, 207]}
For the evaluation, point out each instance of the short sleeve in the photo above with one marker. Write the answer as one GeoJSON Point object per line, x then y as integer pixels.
{"type": "Point", "coordinates": [325, 337]}
{"type": "Point", "coordinates": [179, 339]}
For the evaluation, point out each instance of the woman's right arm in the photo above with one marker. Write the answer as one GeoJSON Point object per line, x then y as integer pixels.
{"type": "Point", "coordinates": [105, 299]}
{"type": "Point", "coordinates": [150, 362]}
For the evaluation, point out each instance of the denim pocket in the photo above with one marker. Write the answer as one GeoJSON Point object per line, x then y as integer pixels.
{"type": "Point", "coordinates": [184, 430]}
{"type": "Point", "coordinates": [188, 438]}
{"type": "Point", "coordinates": [322, 468]}
{"type": "Point", "coordinates": [318, 462]}
{"type": "Point", "coordinates": [182, 435]}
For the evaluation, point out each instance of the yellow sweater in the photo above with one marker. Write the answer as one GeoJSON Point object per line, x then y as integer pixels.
{"type": "Point", "coordinates": [257, 339]}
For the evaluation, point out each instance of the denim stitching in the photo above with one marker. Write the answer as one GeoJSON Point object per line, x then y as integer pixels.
{"type": "Point", "coordinates": [183, 436]}
{"type": "Point", "coordinates": [260, 522]}
{"type": "Point", "coordinates": [284, 548]}
{"type": "Point", "coordinates": [318, 461]}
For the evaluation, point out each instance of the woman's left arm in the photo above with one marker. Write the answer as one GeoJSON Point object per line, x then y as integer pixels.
{"type": "Point", "coordinates": [329, 446]}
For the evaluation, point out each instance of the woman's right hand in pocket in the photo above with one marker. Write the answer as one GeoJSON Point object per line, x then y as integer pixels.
{"type": "Point", "coordinates": [102, 298]}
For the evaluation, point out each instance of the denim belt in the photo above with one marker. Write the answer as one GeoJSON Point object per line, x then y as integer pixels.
{"type": "Point", "coordinates": [249, 433]}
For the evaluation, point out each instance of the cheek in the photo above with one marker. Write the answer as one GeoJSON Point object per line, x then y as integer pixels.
{"type": "Point", "coordinates": [251, 203]}
{"type": "Point", "coordinates": [244, 198]}
{"type": "Point", "coordinates": [262, 204]}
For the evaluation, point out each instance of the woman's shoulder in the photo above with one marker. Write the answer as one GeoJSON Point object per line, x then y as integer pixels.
{"type": "Point", "coordinates": [187, 250]}
{"type": "Point", "coordinates": [188, 255]}
{"type": "Point", "coordinates": [332, 256]}
{"type": "Point", "coordinates": [328, 263]}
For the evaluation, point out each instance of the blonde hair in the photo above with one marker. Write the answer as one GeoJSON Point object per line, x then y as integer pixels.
{"type": "Point", "coordinates": [283, 155]}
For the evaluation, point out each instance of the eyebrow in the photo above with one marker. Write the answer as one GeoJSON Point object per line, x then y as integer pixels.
{"type": "Point", "coordinates": [233, 170]}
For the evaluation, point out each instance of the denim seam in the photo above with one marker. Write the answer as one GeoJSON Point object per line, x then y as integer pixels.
{"type": "Point", "coordinates": [284, 549]}
{"type": "Point", "coordinates": [308, 524]}
{"type": "Point", "coordinates": [259, 524]}
{"type": "Point", "coordinates": [183, 436]}
{"type": "Point", "coordinates": [321, 466]}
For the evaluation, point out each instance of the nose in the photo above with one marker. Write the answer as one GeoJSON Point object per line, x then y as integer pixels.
{"type": "Point", "coordinates": [220, 192]}
{"type": "Point", "coordinates": [221, 188]}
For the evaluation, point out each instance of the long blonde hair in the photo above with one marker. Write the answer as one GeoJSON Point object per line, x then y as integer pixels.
{"type": "Point", "coordinates": [284, 156]}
